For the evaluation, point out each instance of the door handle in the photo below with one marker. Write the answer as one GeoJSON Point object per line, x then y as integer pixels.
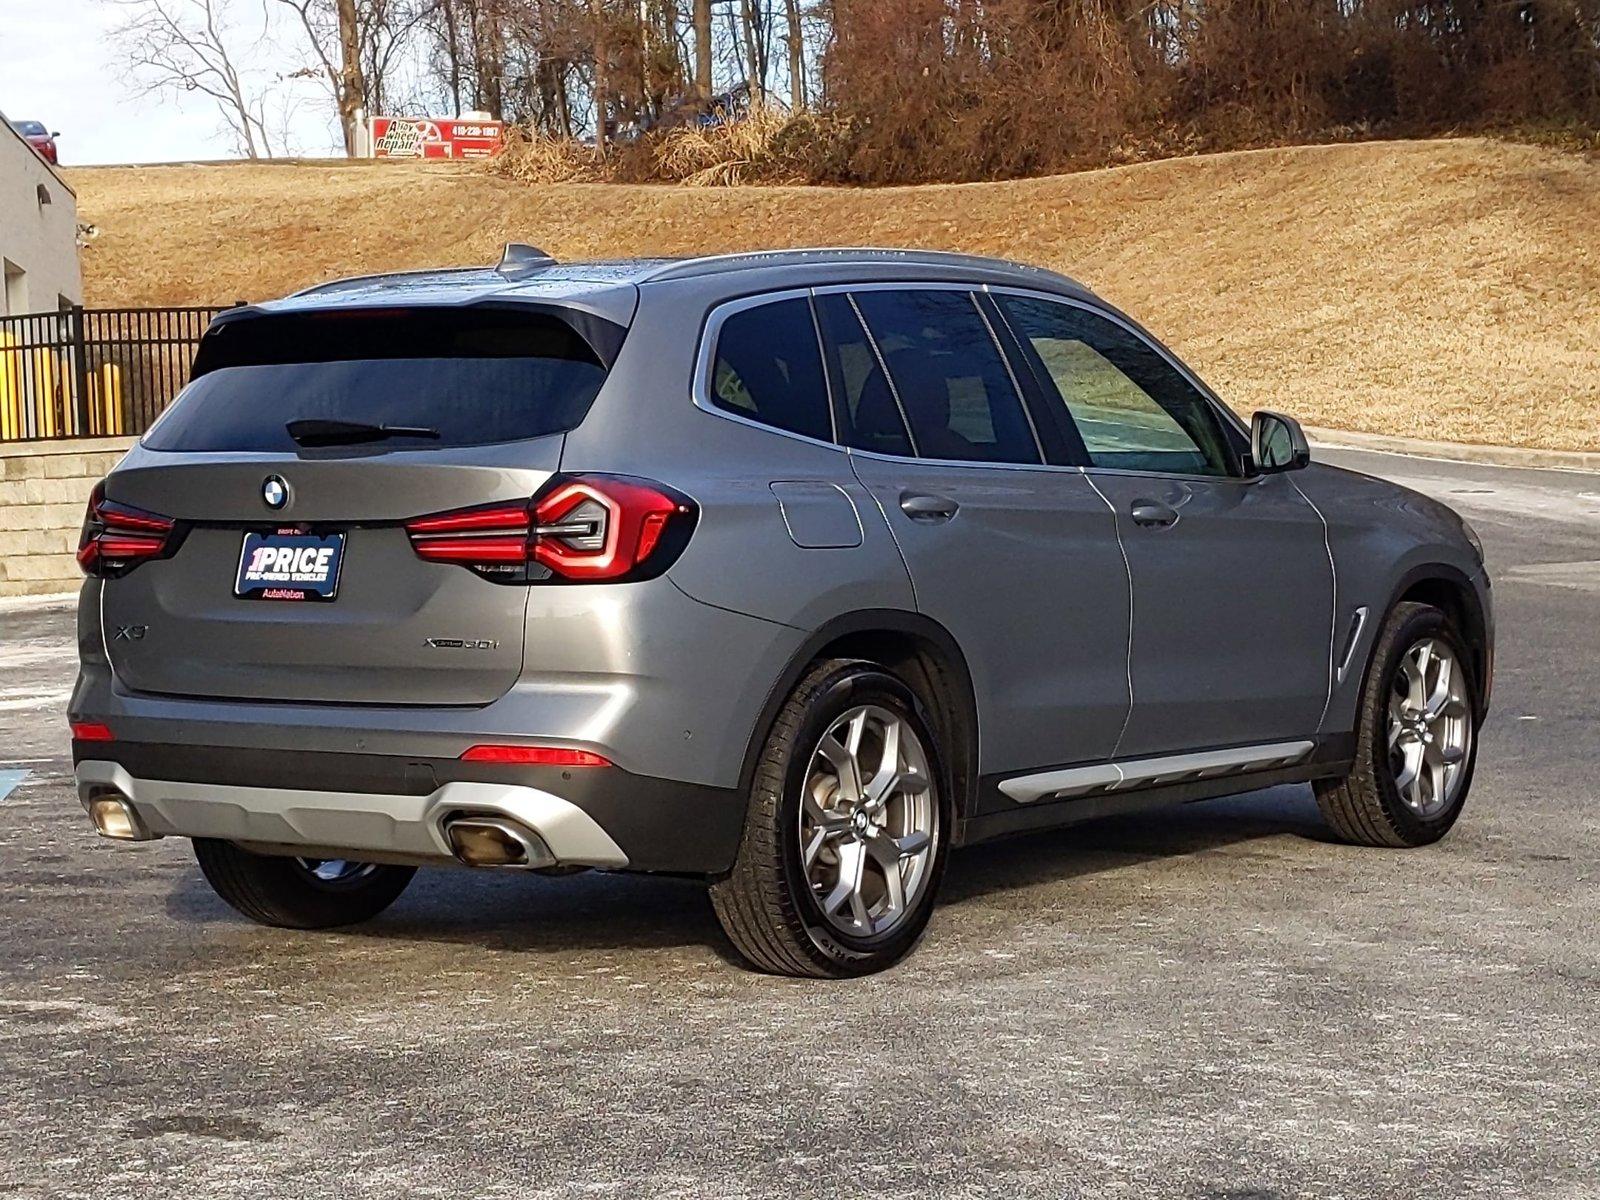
{"type": "Point", "coordinates": [920, 506]}
{"type": "Point", "coordinates": [1153, 513]}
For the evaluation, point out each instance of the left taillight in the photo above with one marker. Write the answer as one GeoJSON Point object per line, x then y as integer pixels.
{"type": "Point", "coordinates": [118, 537]}
{"type": "Point", "coordinates": [577, 529]}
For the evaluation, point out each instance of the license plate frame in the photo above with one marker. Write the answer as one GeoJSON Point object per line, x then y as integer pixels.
{"type": "Point", "coordinates": [301, 578]}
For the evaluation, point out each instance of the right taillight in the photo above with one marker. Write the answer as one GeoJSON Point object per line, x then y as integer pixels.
{"type": "Point", "coordinates": [118, 537]}
{"type": "Point", "coordinates": [579, 528]}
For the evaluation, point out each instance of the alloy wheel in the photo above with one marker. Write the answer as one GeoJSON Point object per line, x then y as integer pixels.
{"type": "Point", "coordinates": [1430, 727]}
{"type": "Point", "coordinates": [869, 821]}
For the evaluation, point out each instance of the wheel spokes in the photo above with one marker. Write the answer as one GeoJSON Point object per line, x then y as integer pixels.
{"type": "Point", "coordinates": [1429, 727]}
{"type": "Point", "coordinates": [846, 766]}
{"type": "Point", "coordinates": [1439, 694]}
{"type": "Point", "coordinates": [1411, 768]}
{"type": "Point", "coordinates": [867, 821]}
{"type": "Point", "coordinates": [886, 856]}
{"type": "Point", "coordinates": [1418, 662]}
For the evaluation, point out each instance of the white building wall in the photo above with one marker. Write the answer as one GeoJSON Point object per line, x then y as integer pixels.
{"type": "Point", "coordinates": [38, 242]}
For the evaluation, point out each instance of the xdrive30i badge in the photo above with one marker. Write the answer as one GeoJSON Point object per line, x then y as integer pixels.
{"type": "Point", "coordinates": [461, 643]}
{"type": "Point", "coordinates": [274, 492]}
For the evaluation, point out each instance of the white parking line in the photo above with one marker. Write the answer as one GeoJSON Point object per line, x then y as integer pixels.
{"type": "Point", "coordinates": [25, 699]}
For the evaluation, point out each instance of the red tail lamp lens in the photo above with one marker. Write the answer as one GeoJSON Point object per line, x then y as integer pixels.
{"type": "Point", "coordinates": [117, 537]}
{"type": "Point", "coordinates": [535, 756]}
{"type": "Point", "coordinates": [582, 528]}
{"type": "Point", "coordinates": [92, 731]}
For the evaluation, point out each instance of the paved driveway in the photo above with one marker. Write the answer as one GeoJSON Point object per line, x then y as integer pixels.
{"type": "Point", "coordinates": [1210, 1002]}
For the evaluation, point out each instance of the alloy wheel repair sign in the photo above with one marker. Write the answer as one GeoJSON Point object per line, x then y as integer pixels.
{"type": "Point", "coordinates": [424, 137]}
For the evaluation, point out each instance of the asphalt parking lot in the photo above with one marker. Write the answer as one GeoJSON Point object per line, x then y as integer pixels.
{"type": "Point", "coordinates": [1210, 1002]}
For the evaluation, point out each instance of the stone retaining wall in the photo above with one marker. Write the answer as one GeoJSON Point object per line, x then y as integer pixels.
{"type": "Point", "coordinates": [44, 487]}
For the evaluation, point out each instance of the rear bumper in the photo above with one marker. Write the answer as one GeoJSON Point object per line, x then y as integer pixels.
{"type": "Point", "coordinates": [656, 682]}
{"type": "Point", "coordinates": [386, 808]}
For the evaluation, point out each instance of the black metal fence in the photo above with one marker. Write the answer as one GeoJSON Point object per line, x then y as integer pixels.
{"type": "Point", "coordinates": [93, 372]}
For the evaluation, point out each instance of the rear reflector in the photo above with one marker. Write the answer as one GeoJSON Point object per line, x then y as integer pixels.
{"type": "Point", "coordinates": [92, 731]}
{"type": "Point", "coordinates": [536, 756]}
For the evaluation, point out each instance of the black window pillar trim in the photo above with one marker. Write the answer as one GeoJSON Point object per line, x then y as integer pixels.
{"type": "Point", "coordinates": [1062, 443]}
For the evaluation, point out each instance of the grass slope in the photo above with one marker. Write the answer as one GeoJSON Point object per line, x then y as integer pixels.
{"type": "Point", "coordinates": [1442, 289]}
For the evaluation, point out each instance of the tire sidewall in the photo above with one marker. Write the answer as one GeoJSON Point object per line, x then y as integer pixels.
{"type": "Point", "coordinates": [1416, 830]}
{"type": "Point", "coordinates": [846, 688]}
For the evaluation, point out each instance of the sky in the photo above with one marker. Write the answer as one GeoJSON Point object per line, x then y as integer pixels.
{"type": "Point", "coordinates": [57, 65]}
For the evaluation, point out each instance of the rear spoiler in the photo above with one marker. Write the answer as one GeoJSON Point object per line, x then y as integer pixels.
{"type": "Point", "coordinates": [254, 336]}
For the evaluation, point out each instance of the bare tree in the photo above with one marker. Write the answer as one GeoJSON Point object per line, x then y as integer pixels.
{"type": "Point", "coordinates": [351, 89]}
{"type": "Point", "coordinates": [797, 56]}
{"type": "Point", "coordinates": [191, 46]}
{"type": "Point", "coordinates": [356, 47]}
{"type": "Point", "coordinates": [754, 19]}
{"type": "Point", "coordinates": [598, 16]}
{"type": "Point", "coordinates": [702, 50]}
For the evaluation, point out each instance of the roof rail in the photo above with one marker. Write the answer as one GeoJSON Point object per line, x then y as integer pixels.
{"type": "Point", "coordinates": [518, 259]}
{"type": "Point", "coordinates": [710, 264]}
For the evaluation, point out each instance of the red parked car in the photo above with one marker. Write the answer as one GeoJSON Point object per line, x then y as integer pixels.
{"type": "Point", "coordinates": [37, 135]}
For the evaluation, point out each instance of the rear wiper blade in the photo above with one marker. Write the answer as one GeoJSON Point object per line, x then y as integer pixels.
{"type": "Point", "coordinates": [321, 431]}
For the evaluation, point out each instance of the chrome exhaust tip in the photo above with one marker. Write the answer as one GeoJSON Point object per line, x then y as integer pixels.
{"type": "Point", "coordinates": [496, 842]}
{"type": "Point", "coordinates": [115, 818]}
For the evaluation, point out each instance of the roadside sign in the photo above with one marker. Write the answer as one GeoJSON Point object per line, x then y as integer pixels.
{"type": "Point", "coordinates": [428, 137]}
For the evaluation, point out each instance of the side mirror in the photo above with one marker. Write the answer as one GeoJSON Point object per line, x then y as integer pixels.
{"type": "Point", "coordinates": [1277, 443]}
{"type": "Point", "coordinates": [55, 133]}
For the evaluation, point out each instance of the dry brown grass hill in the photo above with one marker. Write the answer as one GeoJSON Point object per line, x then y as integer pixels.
{"type": "Point", "coordinates": [1445, 289]}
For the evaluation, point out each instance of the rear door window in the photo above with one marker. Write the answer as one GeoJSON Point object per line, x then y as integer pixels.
{"type": "Point", "coordinates": [471, 378]}
{"type": "Point", "coordinates": [768, 369]}
{"type": "Point", "coordinates": [870, 416]}
{"type": "Point", "coordinates": [948, 375]}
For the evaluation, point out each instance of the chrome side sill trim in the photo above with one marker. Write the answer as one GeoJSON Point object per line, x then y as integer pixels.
{"type": "Point", "coordinates": [1173, 768]}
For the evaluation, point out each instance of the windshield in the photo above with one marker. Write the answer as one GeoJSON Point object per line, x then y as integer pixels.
{"type": "Point", "coordinates": [30, 128]}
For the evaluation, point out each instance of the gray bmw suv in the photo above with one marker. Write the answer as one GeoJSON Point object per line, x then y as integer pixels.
{"type": "Point", "coordinates": [789, 571]}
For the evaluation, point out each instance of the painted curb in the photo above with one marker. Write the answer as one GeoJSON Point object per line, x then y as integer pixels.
{"type": "Point", "coordinates": [1464, 452]}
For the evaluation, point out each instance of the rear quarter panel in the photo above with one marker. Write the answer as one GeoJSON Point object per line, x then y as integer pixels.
{"type": "Point", "coordinates": [742, 556]}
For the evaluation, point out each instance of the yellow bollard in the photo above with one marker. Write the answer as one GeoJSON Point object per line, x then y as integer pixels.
{"type": "Point", "coordinates": [43, 380]}
{"type": "Point", "coordinates": [110, 410]}
{"type": "Point", "coordinates": [11, 424]}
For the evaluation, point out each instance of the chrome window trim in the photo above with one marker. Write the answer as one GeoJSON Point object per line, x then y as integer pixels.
{"type": "Point", "coordinates": [888, 379]}
{"type": "Point", "coordinates": [706, 361]}
{"type": "Point", "coordinates": [1225, 414]}
{"type": "Point", "coordinates": [971, 291]}
{"type": "Point", "coordinates": [1016, 384]}
{"type": "Point", "coordinates": [877, 456]}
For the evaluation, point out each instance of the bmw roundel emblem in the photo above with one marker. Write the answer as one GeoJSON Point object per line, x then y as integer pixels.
{"type": "Point", "coordinates": [275, 491]}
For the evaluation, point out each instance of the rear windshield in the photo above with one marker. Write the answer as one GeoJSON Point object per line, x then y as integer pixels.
{"type": "Point", "coordinates": [473, 379]}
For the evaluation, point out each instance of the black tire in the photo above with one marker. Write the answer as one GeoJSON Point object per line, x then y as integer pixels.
{"type": "Point", "coordinates": [1365, 807]}
{"type": "Point", "coordinates": [765, 905]}
{"type": "Point", "coordinates": [283, 892]}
